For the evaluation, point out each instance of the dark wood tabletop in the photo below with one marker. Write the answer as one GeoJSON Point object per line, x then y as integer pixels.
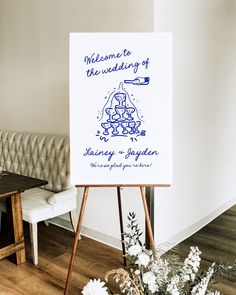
{"type": "Point", "coordinates": [11, 183]}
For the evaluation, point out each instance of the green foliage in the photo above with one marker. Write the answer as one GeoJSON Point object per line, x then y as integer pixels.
{"type": "Point", "coordinates": [134, 234]}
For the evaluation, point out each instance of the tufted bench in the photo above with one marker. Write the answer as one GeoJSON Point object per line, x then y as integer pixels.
{"type": "Point", "coordinates": [45, 157]}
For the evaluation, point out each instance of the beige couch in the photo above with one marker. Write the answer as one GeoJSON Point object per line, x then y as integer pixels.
{"type": "Point", "coordinates": [45, 157]}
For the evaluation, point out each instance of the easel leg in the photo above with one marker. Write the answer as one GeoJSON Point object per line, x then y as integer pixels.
{"type": "Point", "coordinates": [75, 243]}
{"type": "Point", "coordinates": [148, 222]}
{"type": "Point", "coordinates": [121, 223]}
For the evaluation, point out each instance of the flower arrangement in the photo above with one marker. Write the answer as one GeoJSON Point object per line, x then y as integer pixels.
{"type": "Point", "coordinates": [148, 275]}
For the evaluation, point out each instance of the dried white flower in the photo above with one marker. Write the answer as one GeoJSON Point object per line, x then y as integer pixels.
{"type": "Point", "coordinates": [149, 278]}
{"type": "Point", "coordinates": [137, 272]}
{"type": "Point", "coordinates": [191, 265]}
{"type": "Point", "coordinates": [153, 288]}
{"type": "Point", "coordinates": [172, 287]}
{"type": "Point", "coordinates": [160, 267]}
{"type": "Point", "coordinates": [95, 287]}
{"type": "Point", "coordinates": [143, 259]}
{"type": "Point", "coordinates": [134, 250]}
{"type": "Point", "coordinates": [200, 288]}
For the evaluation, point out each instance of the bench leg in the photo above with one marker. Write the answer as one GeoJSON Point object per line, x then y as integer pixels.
{"type": "Point", "coordinates": [34, 241]}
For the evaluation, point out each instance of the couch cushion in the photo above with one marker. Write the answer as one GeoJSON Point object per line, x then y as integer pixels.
{"type": "Point", "coordinates": [35, 206]}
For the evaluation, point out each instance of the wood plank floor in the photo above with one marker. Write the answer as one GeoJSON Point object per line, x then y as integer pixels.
{"type": "Point", "coordinates": [92, 260]}
{"type": "Point", "coordinates": [217, 241]}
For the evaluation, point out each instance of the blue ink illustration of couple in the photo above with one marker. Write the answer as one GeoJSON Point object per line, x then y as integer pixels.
{"type": "Point", "coordinates": [119, 116]}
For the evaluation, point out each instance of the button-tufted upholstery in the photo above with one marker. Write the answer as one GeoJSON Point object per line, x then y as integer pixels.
{"type": "Point", "coordinates": [36, 155]}
{"type": "Point", "coordinates": [45, 157]}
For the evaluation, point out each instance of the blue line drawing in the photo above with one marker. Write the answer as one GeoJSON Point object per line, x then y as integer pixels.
{"type": "Point", "coordinates": [119, 116]}
{"type": "Point", "coordinates": [138, 81]}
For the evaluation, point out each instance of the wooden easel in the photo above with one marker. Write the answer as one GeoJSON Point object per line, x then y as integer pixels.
{"type": "Point", "coordinates": [81, 214]}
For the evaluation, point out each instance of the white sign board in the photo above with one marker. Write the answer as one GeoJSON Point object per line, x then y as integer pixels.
{"type": "Point", "coordinates": [121, 108]}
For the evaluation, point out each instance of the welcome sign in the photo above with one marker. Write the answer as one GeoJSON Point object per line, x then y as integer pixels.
{"type": "Point", "coordinates": [121, 108]}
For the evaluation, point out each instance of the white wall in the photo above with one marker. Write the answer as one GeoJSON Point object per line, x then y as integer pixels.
{"type": "Point", "coordinates": [34, 96]}
{"type": "Point", "coordinates": [204, 33]}
{"type": "Point", "coordinates": [34, 54]}
{"type": "Point", "coordinates": [34, 61]}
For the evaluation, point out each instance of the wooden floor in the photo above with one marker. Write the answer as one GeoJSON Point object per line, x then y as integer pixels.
{"type": "Point", "coordinates": [92, 260]}
{"type": "Point", "coordinates": [217, 240]}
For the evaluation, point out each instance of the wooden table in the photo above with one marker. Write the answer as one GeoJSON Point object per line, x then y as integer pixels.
{"type": "Point", "coordinates": [11, 187]}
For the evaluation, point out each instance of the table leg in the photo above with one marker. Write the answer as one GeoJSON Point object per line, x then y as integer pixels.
{"type": "Point", "coordinates": [15, 239]}
{"type": "Point", "coordinates": [18, 233]}
{"type": "Point", "coordinates": [18, 226]}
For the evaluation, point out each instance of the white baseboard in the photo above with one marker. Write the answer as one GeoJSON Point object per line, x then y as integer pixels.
{"type": "Point", "coordinates": [88, 232]}
{"type": "Point", "coordinates": [181, 236]}
{"type": "Point", "coordinates": [175, 240]}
